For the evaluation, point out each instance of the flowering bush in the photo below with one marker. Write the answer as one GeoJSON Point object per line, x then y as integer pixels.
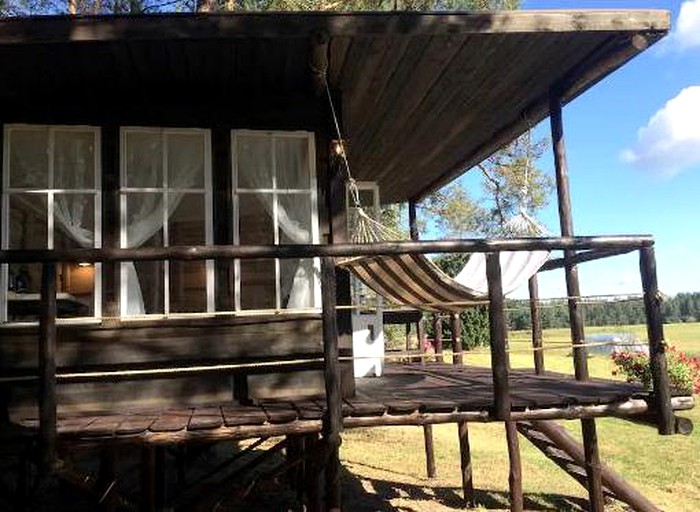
{"type": "Point", "coordinates": [683, 370]}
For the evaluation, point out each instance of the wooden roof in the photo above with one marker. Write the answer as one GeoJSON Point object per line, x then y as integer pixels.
{"type": "Point", "coordinates": [424, 96]}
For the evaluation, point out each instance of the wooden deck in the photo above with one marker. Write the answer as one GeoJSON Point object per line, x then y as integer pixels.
{"type": "Point", "coordinates": [404, 395]}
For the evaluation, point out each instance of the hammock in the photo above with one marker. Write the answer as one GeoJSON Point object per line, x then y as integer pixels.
{"type": "Point", "coordinates": [413, 279]}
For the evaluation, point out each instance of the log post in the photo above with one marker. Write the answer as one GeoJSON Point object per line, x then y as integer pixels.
{"type": "Point", "coordinates": [47, 372]}
{"type": "Point", "coordinates": [515, 478]}
{"type": "Point", "coordinates": [588, 427]}
{"type": "Point", "coordinates": [465, 460]}
{"type": "Point", "coordinates": [536, 324]}
{"type": "Point", "coordinates": [437, 329]}
{"type": "Point", "coordinates": [422, 340]}
{"type": "Point", "coordinates": [412, 220]}
{"type": "Point", "coordinates": [498, 335]}
{"type": "Point", "coordinates": [657, 345]}
{"type": "Point", "coordinates": [456, 326]}
{"type": "Point", "coordinates": [429, 451]}
{"type": "Point", "coordinates": [333, 420]}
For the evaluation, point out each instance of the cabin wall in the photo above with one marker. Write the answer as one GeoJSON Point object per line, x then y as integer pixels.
{"type": "Point", "coordinates": [115, 343]}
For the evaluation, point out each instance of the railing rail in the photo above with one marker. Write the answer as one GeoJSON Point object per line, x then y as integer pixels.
{"type": "Point", "coordinates": [220, 252]}
{"type": "Point", "coordinates": [595, 247]}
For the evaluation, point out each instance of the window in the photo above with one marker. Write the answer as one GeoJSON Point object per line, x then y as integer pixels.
{"type": "Point", "coordinates": [368, 196]}
{"type": "Point", "coordinates": [166, 201]}
{"type": "Point", "coordinates": [50, 200]}
{"type": "Point", "coordinates": [275, 202]}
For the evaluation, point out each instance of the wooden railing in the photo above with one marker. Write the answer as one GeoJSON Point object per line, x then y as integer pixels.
{"type": "Point", "coordinates": [592, 247]}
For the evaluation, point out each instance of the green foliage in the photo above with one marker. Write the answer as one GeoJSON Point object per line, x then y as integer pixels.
{"type": "Point", "coordinates": [683, 371]}
{"type": "Point", "coordinates": [511, 184]}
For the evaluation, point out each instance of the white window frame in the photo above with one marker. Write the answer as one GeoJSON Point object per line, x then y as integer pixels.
{"type": "Point", "coordinates": [373, 187]}
{"type": "Point", "coordinates": [125, 191]}
{"type": "Point", "coordinates": [275, 192]}
{"type": "Point", "coordinates": [49, 192]}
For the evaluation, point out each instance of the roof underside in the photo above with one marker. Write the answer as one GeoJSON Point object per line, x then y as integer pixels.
{"type": "Point", "coordinates": [424, 96]}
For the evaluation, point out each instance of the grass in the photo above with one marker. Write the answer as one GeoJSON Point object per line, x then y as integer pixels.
{"type": "Point", "coordinates": [386, 466]}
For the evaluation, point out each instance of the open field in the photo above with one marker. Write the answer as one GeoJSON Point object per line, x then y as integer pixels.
{"type": "Point", "coordinates": [386, 467]}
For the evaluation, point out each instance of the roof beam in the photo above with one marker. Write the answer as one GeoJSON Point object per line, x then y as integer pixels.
{"type": "Point", "coordinates": [65, 29]}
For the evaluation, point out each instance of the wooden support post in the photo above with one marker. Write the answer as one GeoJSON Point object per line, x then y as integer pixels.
{"type": "Point", "coordinates": [588, 427]}
{"type": "Point", "coordinates": [412, 220]}
{"type": "Point", "coordinates": [536, 325]}
{"type": "Point", "coordinates": [567, 229]}
{"type": "Point", "coordinates": [47, 371]}
{"type": "Point", "coordinates": [312, 466]}
{"type": "Point", "coordinates": [148, 479]}
{"type": "Point", "coordinates": [422, 340]}
{"type": "Point", "coordinates": [465, 460]}
{"type": "Point", "coordinates": [429, 451]}
{"type": "Point", "coordinates": [657, 344]}
{"type": "Point", "coordinates": [437, 329]}
{"type": "Point", "coordinates": [498, 335]}
{"type": "Point", "coordinates": [333, 420]}
{"type": "Point", "coordinates": [593, 466]}
{"type": "Point", "coordinates": [515, 478]}
{"type": "Point", "coordinates": [456, 327]}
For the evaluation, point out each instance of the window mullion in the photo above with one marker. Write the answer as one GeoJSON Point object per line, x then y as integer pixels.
{"type": "Point", "coordinates": [166, 210]}
{"type": "Point", "coordinates": [275, 222]}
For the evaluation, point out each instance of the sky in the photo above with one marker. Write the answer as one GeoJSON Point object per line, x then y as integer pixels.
{"type": "Point", "coordinates": [633, 144]}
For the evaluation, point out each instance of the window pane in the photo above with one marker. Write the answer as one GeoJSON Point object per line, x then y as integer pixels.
{"type": "Point", "coordinates": [294, 218]}
{"type": "Point", "coordinates": [74, 221]}
{"type": "Point", "coordinates": [144, 218]}
{"type": "Point", "coordinates": [255, 219]}
{"type": "Point", "coordinates": [296, 283]}
{"type": "Point", "coordinates": [292, 161]}
{"type": "Point", "coordinates": [254, 159]}
{"type": "Point", "coordinates": [29, 158]}
{"type": "Point", "coordinates": [74, 159]}
{"type": "Point", "coordinates": [27, 226]}
{"type": "Point", "coordinates": [258, 284]}
{"type": "Point", "coordinates": [188, 286]}
{"type": "Point", "coordinates": [185, 160]}
{"type": "Point", "coordinates": [144, 287]}
{"type": "Point", "coordinates": [144, 159]}
{"type": "Point", "coordinates": [186, 225]}
{"type": "Point", "coordinates": [77, 283]}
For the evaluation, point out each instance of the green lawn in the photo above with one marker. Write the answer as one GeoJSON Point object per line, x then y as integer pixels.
{"type": "Point", "coordinates": [386, 467]}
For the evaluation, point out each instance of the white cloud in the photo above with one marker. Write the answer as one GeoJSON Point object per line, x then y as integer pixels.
{"type": "Point", "coordinates": [687, 32]}
{"type": "Point", "coordinates": [670, 142]}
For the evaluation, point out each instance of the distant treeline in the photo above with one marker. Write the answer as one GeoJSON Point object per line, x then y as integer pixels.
{"type": "Point", "coordinates": [684, 307]}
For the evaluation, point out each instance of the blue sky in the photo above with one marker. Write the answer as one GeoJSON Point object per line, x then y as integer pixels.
{"type": "Point", "coordinates": [634, 161]}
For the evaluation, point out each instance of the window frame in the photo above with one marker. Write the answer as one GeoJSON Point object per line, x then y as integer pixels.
{"type": "Point", "coordinates": [50, 192]}
{"type": "Point", "coordinates": [275, 192]}
{"type": "Point", "coordinates": [206, 191]}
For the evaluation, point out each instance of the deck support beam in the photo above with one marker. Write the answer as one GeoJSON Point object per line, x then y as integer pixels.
{"type": "Point", "coordinates": [47, 372]}
{"type": "Point", "coordinates": [465, 460]}
{"type": "Point", "coordinates": [456, 327]}
{"type": "Point", "coordinates": [515, 476]}
{"type": "Point", "coordinates": [498, 335]}
{"type": "Point", "coordinates": [536, 325]}
{"type": "Point", "coordinates": [588, 427]}
{"type": "Point", "coordinates": [437, 329]}
{"type": "Point", "coordinates": [657, 344]}
{"type": "Point", "coordinates": [430, 470]}
{"type": "Point", "coordinates": [333, 419]}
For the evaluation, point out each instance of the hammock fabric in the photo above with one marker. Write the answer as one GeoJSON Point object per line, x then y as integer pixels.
{"type": "Point", "coordinates": [413, 280]}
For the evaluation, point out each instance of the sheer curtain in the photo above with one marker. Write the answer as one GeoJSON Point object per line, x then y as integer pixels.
{"type": "Point", "coordinates": [148, 217]}
{"type": "Point", "coordinates": [290, 170]}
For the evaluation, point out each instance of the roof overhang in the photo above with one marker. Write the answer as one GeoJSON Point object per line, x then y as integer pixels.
{"type": "Point", "coordinates": [425, 96]}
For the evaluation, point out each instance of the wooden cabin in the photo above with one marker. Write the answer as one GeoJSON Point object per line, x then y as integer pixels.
{"type": "Point", "coordinates": [171, 204]}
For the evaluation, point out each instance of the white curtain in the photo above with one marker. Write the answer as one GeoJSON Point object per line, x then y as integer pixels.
{"type": "Point", "coordinates": [255, 170]}
{"type": "Point", "coordinates": [145, 210]}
